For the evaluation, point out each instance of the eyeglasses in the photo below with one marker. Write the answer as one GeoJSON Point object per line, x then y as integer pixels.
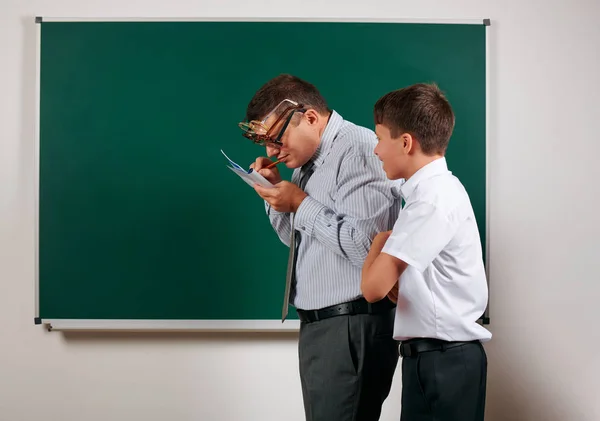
{"type": "Point", "coordinates": [258, 132]}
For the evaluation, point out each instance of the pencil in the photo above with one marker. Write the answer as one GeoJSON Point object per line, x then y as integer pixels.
{"type": "Point", "coordinates": [272, 164]}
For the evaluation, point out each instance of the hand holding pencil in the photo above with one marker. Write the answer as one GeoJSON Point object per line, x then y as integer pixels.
{"type": "Point", "coordinates": [272, 164]}
{"type": "Point", "coordinates": [267, 168]}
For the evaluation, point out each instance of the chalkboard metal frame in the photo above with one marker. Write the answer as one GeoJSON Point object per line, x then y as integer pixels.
{"type": "Point", "coordinates": [222, 325]}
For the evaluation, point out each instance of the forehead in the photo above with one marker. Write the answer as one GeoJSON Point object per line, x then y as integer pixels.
{"type": "Point", "coordinates": [270, 120]}
{"type": "Point", "coordinates": [281, 108]}
{"type": "Point", "coordinates": [278, 119]}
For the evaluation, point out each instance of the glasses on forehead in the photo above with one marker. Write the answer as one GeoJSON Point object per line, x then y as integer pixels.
{"type": "Point", "coordinates": [261, 134]}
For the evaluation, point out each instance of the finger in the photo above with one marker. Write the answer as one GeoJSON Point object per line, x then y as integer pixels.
{"type": "Point", "coordinates": [261, 162]}
{"type": "Point", "coordinates": [263, 192]}
{"type": "Point", "coordinates": [393, 294]}
{"type": "Point", "coordinates": [258, 189]}
{"type": "Point", "coordinates": [268, 174]}
{"type": "Point", "coordinates": [393, 297]}
{"type": "Point", "coordinates": [287, 188]}
{"type": "Point", "coordinates": [272, 201]}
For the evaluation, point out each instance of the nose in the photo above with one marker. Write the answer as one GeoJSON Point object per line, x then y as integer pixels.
{"type": "Point", "coordinates": [272, 150]}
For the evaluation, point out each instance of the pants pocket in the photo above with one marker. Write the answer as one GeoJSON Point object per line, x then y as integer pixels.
{"type": "Point", "coordinates": [351, 345]}
{"type": "Point", "coordinates": [423, 382]}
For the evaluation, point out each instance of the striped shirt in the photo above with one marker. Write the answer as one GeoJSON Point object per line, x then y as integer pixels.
{"type": "Point", "coordinates": [349, 201]}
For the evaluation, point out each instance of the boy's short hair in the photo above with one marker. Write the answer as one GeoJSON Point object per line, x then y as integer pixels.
{"type": "Point", "coordinates": [285, 86]}
{"type": "Point", "coordinates": [421, 110]}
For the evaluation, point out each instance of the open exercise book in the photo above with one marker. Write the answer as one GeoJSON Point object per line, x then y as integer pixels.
{"type": "Point", "coordinates": [249, 176]}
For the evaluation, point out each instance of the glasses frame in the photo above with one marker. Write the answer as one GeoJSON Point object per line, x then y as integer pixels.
{"type": "Point", "coordinates": [263, 139]}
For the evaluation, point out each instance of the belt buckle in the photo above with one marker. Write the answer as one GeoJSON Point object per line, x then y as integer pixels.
{"type": "Point", "coordinates": [315, 314]}
{"type": "Point", "coordinates": [406, 350]}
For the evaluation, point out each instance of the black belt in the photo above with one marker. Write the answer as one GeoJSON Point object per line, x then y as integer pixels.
{"type": "Point", "coordinates": [359, 306]}
{"type": "Point", "coordinates": [414, 347]}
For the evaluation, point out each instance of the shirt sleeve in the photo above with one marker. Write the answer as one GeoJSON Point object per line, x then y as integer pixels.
{"type": "Point", "coordinates": [365, 204]}
{"type": "Point", "coordinates": [420, 234]}
{"type": "Point", "coordinates": [281, 223]}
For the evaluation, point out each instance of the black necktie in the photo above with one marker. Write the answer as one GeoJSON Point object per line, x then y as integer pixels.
{"type": "Point", "coordinates": [306, 172]}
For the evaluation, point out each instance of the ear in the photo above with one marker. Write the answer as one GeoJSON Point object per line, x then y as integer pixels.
{"type": "Point", "coordinates": [408, 143]}
{"type": "Point", "coordinates": [312, 116]}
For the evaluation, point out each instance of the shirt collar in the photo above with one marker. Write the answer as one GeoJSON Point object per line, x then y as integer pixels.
{"type": "Point", "coordinates": [437, 167]}
{"type": "Point", "coordinates": [327, 138]}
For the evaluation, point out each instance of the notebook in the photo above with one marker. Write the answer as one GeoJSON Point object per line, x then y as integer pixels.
{"type": "Point", "coordinates": [249, 176]}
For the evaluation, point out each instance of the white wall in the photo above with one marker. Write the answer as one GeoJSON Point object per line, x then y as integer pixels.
{"type": "Point", "coordinates": [545, 354]}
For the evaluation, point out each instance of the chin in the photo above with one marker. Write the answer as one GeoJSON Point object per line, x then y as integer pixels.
{"type": "Point", "coordinates": [293, 164]}
{"type": "Point", "coordinates": [393, 176]}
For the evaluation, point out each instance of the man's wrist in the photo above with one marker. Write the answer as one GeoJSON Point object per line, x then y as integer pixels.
{"type": "Point", "coordinates": [298, 199]}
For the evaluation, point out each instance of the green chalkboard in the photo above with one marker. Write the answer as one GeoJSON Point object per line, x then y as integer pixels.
{"type": "Point", "coordinates": [139, 218]}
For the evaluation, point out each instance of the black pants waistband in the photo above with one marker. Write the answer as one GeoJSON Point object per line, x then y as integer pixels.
{"type": "Point", "coordinates": [358, 306]}
{"type": "Point", "coordinates": [413, 347]}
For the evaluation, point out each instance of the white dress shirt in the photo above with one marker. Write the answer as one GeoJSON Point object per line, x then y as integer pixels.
{"type": "Point", "coordinates": [443, 291]}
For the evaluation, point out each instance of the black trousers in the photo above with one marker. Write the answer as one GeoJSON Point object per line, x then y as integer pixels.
{"type": "Point", "coordinates": [346, 366]}
{"type": "Point", "coordinates": [447, 385]}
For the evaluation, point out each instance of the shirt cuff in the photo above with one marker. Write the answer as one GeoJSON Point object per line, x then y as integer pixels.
{"type": "Point", "coordinates": [306, 215]}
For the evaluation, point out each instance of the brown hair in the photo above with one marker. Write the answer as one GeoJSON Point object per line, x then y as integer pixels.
{"type": "Point", "coordinates": [282, 87]}
{"type": "Point", "coordinates": [421, 110]}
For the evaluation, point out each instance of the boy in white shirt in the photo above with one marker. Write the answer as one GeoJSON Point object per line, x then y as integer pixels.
{"type": "Point", "coordinates": [430, 263]}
